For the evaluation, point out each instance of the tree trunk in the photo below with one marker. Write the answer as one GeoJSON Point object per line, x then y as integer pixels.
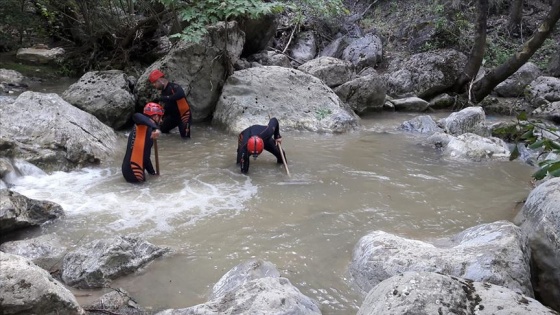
{"type": "Point", "coordinates": [483, 87]}
{"type": "Point", "coordinates": [477, 52]}
{"type": "Point", "coordinates": [514, 23]}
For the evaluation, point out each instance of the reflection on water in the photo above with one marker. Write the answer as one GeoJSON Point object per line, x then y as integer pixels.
{"type": "Point", "coordinates": [342, 187]}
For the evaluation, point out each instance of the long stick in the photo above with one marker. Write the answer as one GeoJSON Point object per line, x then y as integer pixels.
{"type": "Point", "coordinates": [284, 159]}
{"type": "Point", "coordinates": [157, 156]}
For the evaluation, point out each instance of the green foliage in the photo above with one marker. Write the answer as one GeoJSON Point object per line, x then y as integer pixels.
{"type": "Point", "coordinates": [533, 135]}
{"type": "Point", "coordinates": [198, 14]}
{"type": "Point", "coordinates": [449, 27]}
{"type": "Point", "coordinates": [18, 22]}
{"type": "Point", "coordinates": [550, 47]}
{"type": "Point", "coordinates": [498, 51]}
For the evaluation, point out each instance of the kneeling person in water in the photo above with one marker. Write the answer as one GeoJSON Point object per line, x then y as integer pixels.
{"type": "Point", "coordinates": [140, 141]}
{"type": "Point", "coordinates": [254, 139]}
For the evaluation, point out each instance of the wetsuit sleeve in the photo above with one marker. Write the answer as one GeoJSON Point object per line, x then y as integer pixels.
{"type": "Point", "coordinates": [242, 152]}
{"type": "Point", "coordinates": [176, 93]}
{"type": "Point", "coordinates": [275, 125]}
{"type": "Point", "coordinates": [141, 119]}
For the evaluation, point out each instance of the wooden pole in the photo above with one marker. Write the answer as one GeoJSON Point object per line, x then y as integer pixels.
{"type": "Point", "coordinates": [157, 156]}
{"type": "Point", "coordinates": [284, 159]}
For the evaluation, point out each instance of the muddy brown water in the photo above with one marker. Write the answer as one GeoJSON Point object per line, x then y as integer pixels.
{"type": "Point", "coordinates": [213, 217]}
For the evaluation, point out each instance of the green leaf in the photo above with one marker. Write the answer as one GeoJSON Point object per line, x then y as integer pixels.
{"type": "Point", "coordinates": [522, 116]}
{"type": "Point", "coordinates": [541, 173]}
{"type": "Point", "coordinates": [527, 134]}
{"type": "Point", "coordinates": [537, 144]}
{"type": "Point", "coordinates": [555, 173]}
{"type": "Point", "coordinates": [514, 154]}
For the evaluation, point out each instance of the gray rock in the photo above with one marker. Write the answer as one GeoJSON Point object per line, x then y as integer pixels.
{"type": "Point", "coordinates": [45, 251]}
{"type": "Point", "coordinates": [410, 104]}
{"type": "Point", "coordinates": [48, 132]}
{"type": "Point", "coordinates": [242, 273]}
{"type": "Point", "coordinates": [332, 71]}
{"type": "Point", "coordinates": [254, 287]}
{"type": "Point", "coordinates": [305, 47]}
{"type": "Point", "coordinates": [468, 120]}
{"type": "Point", "coordinates": [27, 289]}
{"type": "Point", "coordinates": [539, 219]}
{"type": "Point", "coordinates": [421, 124]}
{"type": "Point", "coordinates": [40, 55]}
{"type": "Point", "coordinates": [425, 74]}
{"type": "Point", "coordinates": [432, 293]}
{"type": "Point", "coordinates": [366, 51]}
{"type": "Point", "coordinates": [104, 94]}
{"type": "Point", "coordinates": [363, 94]}
{"type": "Point", "coordinates": [94, 264]}
{"type": "Point", "coordinates": [117, 301]}
{"type": "Point", "coordinates": [18, 211]}
{"type": "Point", "coordinates": [543, 90]}
{"type": "Point", "coordinates": [299, 101]}
{"type": "Point", "coordinates": [470, 146]}
{"type": "Point", "coordinates": [493, 252]}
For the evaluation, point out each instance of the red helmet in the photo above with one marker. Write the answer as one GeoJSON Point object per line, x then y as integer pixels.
{"type": "Point", "coordinates": [154, 75]}
{"type": "Point", "coordinates": [255, 145]}
{"type": "Point", "coordinates": [153, 109]}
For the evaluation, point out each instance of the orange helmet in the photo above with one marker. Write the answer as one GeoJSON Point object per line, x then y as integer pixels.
{"type": "Point", "coordinates": [155, 75]}
{"type": "Point", "coordinates": [153, 109]}
{"type": "Point", "coordinates": [255, 145]}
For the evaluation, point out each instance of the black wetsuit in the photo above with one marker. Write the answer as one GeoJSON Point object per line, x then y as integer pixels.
{"type": "Point", "coordinates": [267, 133]}
{"type": "Point", "coordinates": [177, 110]}
{"type": "Point", "coordinates": [138, 150]}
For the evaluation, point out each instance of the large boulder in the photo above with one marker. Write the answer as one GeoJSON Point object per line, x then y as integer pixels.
{"type": "Point", "coordinates": [494, 253]}
{"type": "Point", "coordinates": [94, 264]}
{"type": "Point", "coordinates": [543, 90]}
{"type": "Point", "coordinates": [200, 68]}
{"type": "Point", "coordinates": [27, 289]}
{"type": "Point", "coordinates": [472, 147]}
{"type": "Point", "coordinates": [432, 293]}
{"type": "Point", "coordinates": [50, 133]}
{"type": "Point", "coordinates": [468, 120]}
{"type": "Point", "coordinates": [253, 287]}
{"type": "Point", "coordinates": [299, 101]}
{"type": "Point", "coordinates": [539, 219]}
{"type": "Point", "coordinates": [304, 47]}
{"type": "Point", "coordinates": [18, 211]}
{"type": "Point", "coordinates": [104, 94]}
{"type": "Point", "coordinates": [425, 74]}
{"type": "Point", "coordinates": [421, 124]}
{"type": "Point", "coordinates": [40, 55]}
{"type": "Point", "coordinates": [366, 51]}
{"type": "Point", "coordinates": [363, 94]}
{"type": "Point", "coordinates": [332, 71]}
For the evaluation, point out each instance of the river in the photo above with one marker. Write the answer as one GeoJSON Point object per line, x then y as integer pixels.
{"type": "Point", "coordinates": [213, 217]}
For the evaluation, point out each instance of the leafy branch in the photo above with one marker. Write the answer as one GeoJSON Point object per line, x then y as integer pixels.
{"type": "Point", "coordinates": [536, 136]}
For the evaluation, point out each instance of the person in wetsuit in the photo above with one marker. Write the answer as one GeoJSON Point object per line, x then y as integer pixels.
{"type": "Point", "coordinates": [140, 141]}
{"type": "Point", "coordinates": [175, 105]}
{"type": "Point", "coordinates": [254, 139]}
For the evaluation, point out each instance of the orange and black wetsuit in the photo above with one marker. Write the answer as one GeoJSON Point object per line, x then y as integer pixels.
{"type": "Point", "coordinates": [138, 150]}
{"type": "Point", "coordinates": [177, 110]}
{"type": "Point", "coordinates": [267, 133]}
